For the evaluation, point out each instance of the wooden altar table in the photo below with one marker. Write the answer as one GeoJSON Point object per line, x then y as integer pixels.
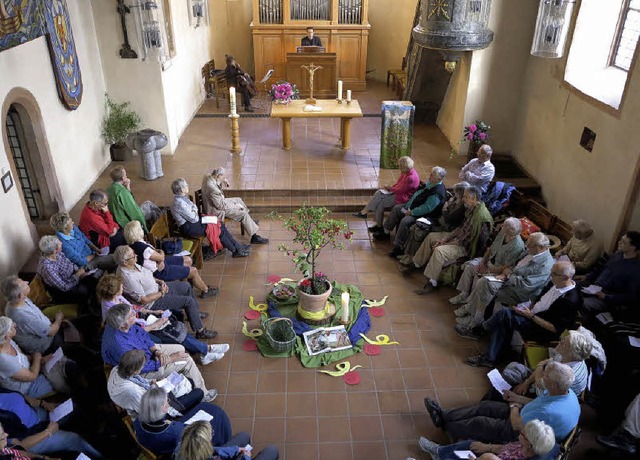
{"type": "Point", "coordinates": [330, 109]}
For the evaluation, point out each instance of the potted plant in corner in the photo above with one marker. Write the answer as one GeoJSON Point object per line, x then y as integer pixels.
{"type": "Point", "coordinates": [477, 133]}
{"type": "Point", "coordinates": [314, 232]}
{"type": "Point", "coordinates": [118, 121]}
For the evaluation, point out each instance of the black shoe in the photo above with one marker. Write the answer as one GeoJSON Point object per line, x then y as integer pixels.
{"type": "Point", "coordinates": [257, 239]}
{"type": "Point", "coordinates": [395, 252]}
{"type": "Point", "coordinates": [212, 291]}
{"type": "Point", "coordinates": [359, 215]}
{"type": "Point", "coordinates": [620, 440]}
{"type": "Point", "coordinates": [206, 334]}
{"type": "Point", "coordinates": [375, 229]}
{"type": "Point", "coordinates": [381, 236]}
{"type": "Point", "coordinates": [435, 411]}
{"type": "Point", "coordinates": [249, 109]}
{"type": "Point", "coordinates": [473, 333]}
{"type": "Point", "coordinates": [480, 361]}
{"type": "Point", "coordinates": [237, 254]}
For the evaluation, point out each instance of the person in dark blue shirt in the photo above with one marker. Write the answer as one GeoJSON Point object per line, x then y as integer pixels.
{"type": "Point", "coordinates": [310, 39]}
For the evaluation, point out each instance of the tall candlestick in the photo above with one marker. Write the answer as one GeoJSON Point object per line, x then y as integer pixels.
{"type": "Point", "coordinates": [232, 100]}
{"type": "Point", "coordinates": [345, 307]}
{"type": "Point", "coordinates": [348, 95]}
{"type": "Point", "coordinates": [339, 90]}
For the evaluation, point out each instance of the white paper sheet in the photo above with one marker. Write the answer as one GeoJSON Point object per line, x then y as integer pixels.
{"type": "Point", "coordinates": [605, 318]}
{"type": "Point", "coordinates": [62, 410]}
{"type": "Point", "coordinates": [493, 278]}
{"type": "Point", "coordinates": [634, 341]}
{"type": "Point", "coordinates": [497, 381]}
{"type": "Point", "coordinates": [104, 251]}
{"type": "Point", "coordinates": [199, 416]}
{"type": "Point", "coordinates": [82, 457]}
{"type": "Point", "coordinates": [593, 289]}
{"type": "Point", "coordinates": [183, 254]}
{"type": "Point", "coordinates": [424, 220]}
{"type": "Point", "coordinates": [464, 454]}
{"type": "Point", "coordinates": [166, 314]}
{"type": "Point", "coordinates": [55, 357]}
{"type": "Point", "coordinates": [170, 382]}
{"type": "Point", "coordinates": [209, 219]}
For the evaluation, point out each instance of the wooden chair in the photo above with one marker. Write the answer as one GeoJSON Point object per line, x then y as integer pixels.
{"type": "Point", "coordinates": [569, 443]}
{"type": "Point", "coordinates": [42, 299]}
{"type": "Point", "coordinates": [215, 81]}
{"type": "Point", "coordinates": [145, 454]}
{"type": "Point", "coordinates": [197, 199]}
{"type": "Point", "coordinates": [562, 230]}
{"type": "Point", "coordinates": [162, 229]}
{"type": "Point", "coordinates": [540, 216]}
{"type": "Point", "coordinates": [393, 74]}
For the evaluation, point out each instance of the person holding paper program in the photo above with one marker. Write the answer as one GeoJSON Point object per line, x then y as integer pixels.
{"type": "Point", "coordinates": [186, 215]}
{"type": "Point", "coordinates": [389, 196]}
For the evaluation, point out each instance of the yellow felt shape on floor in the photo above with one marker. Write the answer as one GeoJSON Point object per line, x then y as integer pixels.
{"type": "Point", "coordinates": [343, 368]}
{"type": "Point", "coordinates": [260, 307]}
{"type": "Point", "coordinates": [375, 303]}
{"type": "Point", "coordinates": [253, 333]}
{"type": "Point", "coordinates": [381, 339]}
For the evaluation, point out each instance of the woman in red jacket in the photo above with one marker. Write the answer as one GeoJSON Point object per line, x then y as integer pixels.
{"type": "Point", "coordinates": [388, 196]}
{"type": "Point", "coordinates": [97, 223]}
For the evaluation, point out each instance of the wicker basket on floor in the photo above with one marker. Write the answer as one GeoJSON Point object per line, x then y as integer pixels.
{"type": "Point", "coordinates": [279, 333]}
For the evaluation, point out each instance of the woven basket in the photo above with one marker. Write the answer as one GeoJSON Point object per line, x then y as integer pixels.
{"type": "Point", "coordinates": [279, 333]}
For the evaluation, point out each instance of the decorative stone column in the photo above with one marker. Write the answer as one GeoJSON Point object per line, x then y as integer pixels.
{"type": "Point", "coordinates": [148, 142]}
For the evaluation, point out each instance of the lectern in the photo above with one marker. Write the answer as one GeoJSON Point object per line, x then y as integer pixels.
{"type": "Point", "coordinates": [325, 82]}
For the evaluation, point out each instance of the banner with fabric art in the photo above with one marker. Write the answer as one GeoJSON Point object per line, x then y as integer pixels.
{"type": "Point", "coordinates": [397, 132]}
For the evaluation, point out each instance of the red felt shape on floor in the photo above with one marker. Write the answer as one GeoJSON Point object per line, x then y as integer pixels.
{"type": "Point", "coordinates": [352, 378]}
{"type": "Point", "coordinates": [372, 350]}
{"type": "Point", "coordinates": [250, 345]}
{"type": "Point", "coordinates": [273, 279]}
{"type": "Point", "coordinates": [376, 311]}
{"type": "Point", "coordinates": [252, 314]}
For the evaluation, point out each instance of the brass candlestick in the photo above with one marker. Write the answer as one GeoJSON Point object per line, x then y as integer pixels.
{"type": "Point", "coordinates": [235, 134]}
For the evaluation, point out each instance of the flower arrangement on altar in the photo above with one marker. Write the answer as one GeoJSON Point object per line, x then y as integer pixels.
{"type": "Point", "coordinates": [477, 133]}
{"type": "Point", "coordinates": [314, 231]}
{"type": "Point", "coordinates": [283, 92]}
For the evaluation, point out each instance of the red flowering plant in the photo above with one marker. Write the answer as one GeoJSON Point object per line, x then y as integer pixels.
{"type": "Point", "coordinates": [477, 133]}
{"type": "Point", "coordinates": [314, 231]}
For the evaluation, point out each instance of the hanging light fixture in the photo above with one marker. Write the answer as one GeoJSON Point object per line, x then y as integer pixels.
{"type": "Point", "coordinates": [198, 13]}
{"type": "Point", "coordinates": [153, 35]}
{"type": "Point", "coordinates": [552, 28]}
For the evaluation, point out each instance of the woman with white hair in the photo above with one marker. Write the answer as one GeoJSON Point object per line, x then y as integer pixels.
{"type": "Point", "coordinates": [216, 204]}
{"type": "Point", "coordinates": [536, 441]}
{"type": "Point", "coordinates": [583, 249]}
{"type": "Point", "coordinates": [161, 435]}
{"type": "Point", "coordinates": [390, 195]}
{"type": "Point", "coordinates": [165, 268]}
{"type": "Point", "coordinates": [507, 249]}
{"type": "Point", "coordinates": [185, 213]}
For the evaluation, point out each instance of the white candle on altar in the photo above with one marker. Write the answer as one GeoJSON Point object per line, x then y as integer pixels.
{"type": "Point", "coordinates": [345, 307]}
{"type": "Point", "coordinates": [339, 89]}
{"type": "Point", "coordinates": [232, 99]}
{"type": "Point", "coordinates": [348, 95]}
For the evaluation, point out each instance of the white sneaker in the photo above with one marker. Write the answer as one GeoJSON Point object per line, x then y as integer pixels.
{"type": "Point", "coordinates": [459, 299]}
{"type": "Point", "coordinates": [461, 312]}
{"type": "Point", "coordinates": [211, 357]}
{"type": "Point", "coordinates": [219, 348]}
{"type": "Point", "coordinates": [210, 395]}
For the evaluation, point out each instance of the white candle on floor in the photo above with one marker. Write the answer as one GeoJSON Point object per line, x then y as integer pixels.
{"type": "Point", "coordinates": [348, 95]}
{"type": "Point", "coordinates": [339, 89]}
{"type": "Point", "coordinates": [345, 307]}
{"type": "Point", "coordinates": [232, 99]}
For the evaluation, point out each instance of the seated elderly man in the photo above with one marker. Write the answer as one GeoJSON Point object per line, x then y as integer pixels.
{"type": "Point", "coordinates": [97, 223]}
{"type": "Point", "coordinates": [65, 281]}
{"type": "Point", "coordinates": [543, 321]}
{"type": "Point", "coordinates": [619, 279]}
{"type": "Point", "coordinates": [583, 249]}
{"type": "Point", "coordinates": [121, 334]}
{"type": "Point", "coordinates": [479, 172]}
{"type": "Point", "coordinates": [468, 240]}
{"type": "Point", "coordinates": [215, 203]}
{"type": "Point", "coordinates": [154, 294]}
{"type": "Point", "coordinates": [121, 202]}
{"type": "Point", "coordinates": [77, 247]}
{"type": "Point", "coordinates": [498, 422]}
{"type": "Point", "coordinates": [426, 202]}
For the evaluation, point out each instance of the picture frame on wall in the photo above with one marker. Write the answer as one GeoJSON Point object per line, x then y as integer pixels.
{"type": "Point", "coordinates": [7, 181]}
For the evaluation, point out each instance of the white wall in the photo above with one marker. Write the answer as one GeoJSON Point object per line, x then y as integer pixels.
{"type": "Point", "coordinates": [72, 137]}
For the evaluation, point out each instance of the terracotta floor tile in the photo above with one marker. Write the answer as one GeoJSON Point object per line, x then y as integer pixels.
{"type": "Point", "coordinates": [335, 451]}
{"type": "Point", "coordinates": [363, 403]}
{"type": "Point", "coordinates": [334, 429]}
{"type": "Point", "coordinates": [238, 406]}
{"type": "Point", "coordinates": [272, 382]}
{"type": "Point", "coordinates": [271, 405]}
{"type": "Point", "coordinates": [369, 450]}
{"type": "Point", "coordinates": [397, 426]}
{"type": "Point", "coordinates": [416, 379]}
{"type": "Point", "coordinates": [301, 451]}
{"type": "Point", "coordinates": [388, 379]}
{"type": "Point", "coordinates": [301, 404]}
{"type": "Point", "coordinates": [393, 402]}
{"type": "Point", "coordinates": [301, 430]}
{"type": "Point", "coordinates": [366, 428]}
{"type": "Point", "coordinates": [331, 404]}
{"type": "Point", "coordinates": [301, 382]}
{"type": "Point", "coordinates": [412, 358]}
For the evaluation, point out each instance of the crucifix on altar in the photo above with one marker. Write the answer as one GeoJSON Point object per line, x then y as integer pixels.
{"type": "Point", "coordinates": [312, 70]}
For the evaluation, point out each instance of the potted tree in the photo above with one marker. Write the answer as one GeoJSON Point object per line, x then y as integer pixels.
{"type": "Point", "coordinates": [314, 232]}
{"type": "Point", "coordinates": [119, 120]}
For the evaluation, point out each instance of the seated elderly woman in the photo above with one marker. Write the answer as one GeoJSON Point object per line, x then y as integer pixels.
{"type": "Point", "coordinates": [514, 284]}
{"type": "Point", "coordinates": [126, 387]}
{"type": "Point", "coordinates": [27, 425]}
{"type": "Point", "coordinates": [97, 223]}
{"type": "Point", "coordinates": [160, 435]}
{"type": "Point", "coordinates": [122, 334]}
{"type": "Point", "coordinates": [536, 441]}
{"type": "Point", "coordinates": [197, 444]}
{"type": "Point", "coordinates": [185, 213]}
{"type": "Point", "coordinates": [165, 268]}
{"type": "Point", "coordinates": [390, 195]}
{"type": "Point", "coordinates": [583, 249]}
{"type": "Point", "coordinates": [216, 204]}
{"type": "Point", "coordinates": [110, 293]}
{"type": "Point", "coordinates": [27, 375]}
{"type": "Point", "coordinates": [154, 294]}
{"type": "Point", "coordinates": [65, 281]}
{"type": "Point", "coordinates": [77, 247]}
{"type": "Point", "coordinates": [507, 249]}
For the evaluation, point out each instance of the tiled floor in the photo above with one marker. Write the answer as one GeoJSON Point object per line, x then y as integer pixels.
{"type": "Point", "coordinates": [307, 414]}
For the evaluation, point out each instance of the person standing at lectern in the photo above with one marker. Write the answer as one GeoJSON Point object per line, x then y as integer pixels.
{"type": "Point", "coordinates": [310, 39]}
{"type": "Point", "coordinates": [241, 81]}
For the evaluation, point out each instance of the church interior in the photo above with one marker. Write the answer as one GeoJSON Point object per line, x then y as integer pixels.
{"type": "Point", "coordinates": [551, 118]}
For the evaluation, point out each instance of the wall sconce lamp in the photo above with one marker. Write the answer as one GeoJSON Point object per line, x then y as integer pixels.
{"type": "Point", "coordinates": [198, 13]}
{"type": "Point", "coordinates": [552, 28]}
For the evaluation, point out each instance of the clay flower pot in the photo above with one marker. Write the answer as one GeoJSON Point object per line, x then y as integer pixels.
{"type": "Point", "coordinates": [314, 302]}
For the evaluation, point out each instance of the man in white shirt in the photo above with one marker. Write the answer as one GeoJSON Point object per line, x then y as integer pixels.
{"type": "Point", "coordinates": [479, 172]}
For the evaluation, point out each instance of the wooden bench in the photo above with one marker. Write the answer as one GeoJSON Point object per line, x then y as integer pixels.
{"type": "Point", "coordinates": [39, 296]}
{"type": "Point", "coordinates": [162, 229]}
